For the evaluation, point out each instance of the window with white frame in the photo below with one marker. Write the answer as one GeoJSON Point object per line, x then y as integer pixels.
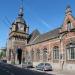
{"type": "Point", "coordinates": [38, 55]}
{"type": "Point", "coordinates": [69, 26]}
{"type": "Point", "coordinates": [56, 53]}
{"type": "Point", "coordinates": [71, 51]}
{"type": "Point", "coordinates": [45, 54]}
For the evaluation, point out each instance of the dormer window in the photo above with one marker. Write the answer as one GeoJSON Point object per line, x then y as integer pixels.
{"type": "Point", "coordinates": [69, 26]}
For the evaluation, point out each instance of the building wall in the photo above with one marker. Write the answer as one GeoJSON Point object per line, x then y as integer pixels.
{"type": "Point", "coordinates": [46, 51]}
{"type": "Point", "coordinates": [61, 43]}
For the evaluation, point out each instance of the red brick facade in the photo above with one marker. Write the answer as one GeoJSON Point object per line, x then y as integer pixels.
{"type": "Point", "coordinates": [56, 47]}
{"type": "Point", "coordinates": [66, 36]}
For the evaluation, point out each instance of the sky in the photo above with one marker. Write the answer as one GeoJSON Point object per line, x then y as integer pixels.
{"type": "Point", "coordinates": [44, 15]}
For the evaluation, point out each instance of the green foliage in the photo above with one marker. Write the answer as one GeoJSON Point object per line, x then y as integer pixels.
{"type": "Point", "coordinates": [2, 54]}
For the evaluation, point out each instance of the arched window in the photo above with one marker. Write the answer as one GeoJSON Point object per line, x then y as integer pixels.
{"type": "Point", "coordinates": [70, 51]}
{"type": "Point", "coordinates": [38, 55]}
{"type": "Point", "coordinates": [45, 54]}
{"type": "Point", "coordinates": [69, 26]}
{"type": "Point", "coordinates": [32, 55]}
{"type": "Point", "coordinates": [56, 53]}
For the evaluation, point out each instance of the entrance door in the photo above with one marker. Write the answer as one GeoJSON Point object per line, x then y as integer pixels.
{"type": "Point", "coordinates": [19, 55]}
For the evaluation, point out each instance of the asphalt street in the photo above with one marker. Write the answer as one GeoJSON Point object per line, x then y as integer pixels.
{"type": "Point", "coordinates": [6, 69]}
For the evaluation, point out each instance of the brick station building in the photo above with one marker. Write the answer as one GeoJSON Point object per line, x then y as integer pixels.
{"type": "Point", "coordinates": [56, 47]}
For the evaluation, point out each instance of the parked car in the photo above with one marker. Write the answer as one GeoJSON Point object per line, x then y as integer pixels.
{"type": "Point", "coordinates": [44, 67]}
{"type": "Point", "coordinates": [27, 65]}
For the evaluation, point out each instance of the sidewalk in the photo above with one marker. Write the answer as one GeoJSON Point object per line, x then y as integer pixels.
{"type": "Point", "coordinates": [61, 72]}
{"type": "Point", "coordinates": [54, 72]}
{"type": "Point", "coordinates": [57, 72]}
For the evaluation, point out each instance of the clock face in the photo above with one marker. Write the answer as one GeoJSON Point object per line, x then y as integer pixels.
{"type": "Point", "coordinates": [21, 27]}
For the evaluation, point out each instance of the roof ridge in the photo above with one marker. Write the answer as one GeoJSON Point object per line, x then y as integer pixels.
{"type": "Point", "coordinates": [51, 31]}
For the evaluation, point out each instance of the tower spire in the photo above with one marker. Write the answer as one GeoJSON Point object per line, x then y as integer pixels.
{"type": "Point", "coordinates": [21, 10]}
{"type": "Point", "coordinates": [68, 10]}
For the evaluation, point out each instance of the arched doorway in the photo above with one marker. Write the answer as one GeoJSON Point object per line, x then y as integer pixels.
{"type": "Point", "coordinates": [19, 55]}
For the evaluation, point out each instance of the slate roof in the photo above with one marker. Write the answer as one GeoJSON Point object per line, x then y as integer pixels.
{"type": "Point", "coordinates": [20, 20]}
{"type": "Point", "coordinates": [44, 37]}
{"type": "Point", "coordinates": [33, 35]}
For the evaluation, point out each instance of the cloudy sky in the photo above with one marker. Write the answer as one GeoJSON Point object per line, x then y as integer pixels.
{"type": "Point", "coordinates": [43, 15]}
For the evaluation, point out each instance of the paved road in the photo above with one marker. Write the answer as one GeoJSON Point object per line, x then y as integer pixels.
{"type": "Point", "coordinates": [6, 69]}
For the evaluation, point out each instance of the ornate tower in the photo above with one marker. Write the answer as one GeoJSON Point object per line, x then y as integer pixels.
{"type": "Point", "coordinates": [17, 37]}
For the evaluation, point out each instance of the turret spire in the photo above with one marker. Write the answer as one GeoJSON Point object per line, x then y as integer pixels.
{"type": "Point", "coordinates": [68, 10]}
{"type": "Point", "coordinates": [21, 10]}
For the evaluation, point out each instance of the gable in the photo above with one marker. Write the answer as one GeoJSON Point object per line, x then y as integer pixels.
{"type": "Point", "coordinates": [68, 18]}
{"type": "Point", "coordinates": [69, 21]}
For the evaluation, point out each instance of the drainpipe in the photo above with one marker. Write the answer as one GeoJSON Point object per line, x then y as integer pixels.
{"type": "Point", "coordinates": [61, 53]}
